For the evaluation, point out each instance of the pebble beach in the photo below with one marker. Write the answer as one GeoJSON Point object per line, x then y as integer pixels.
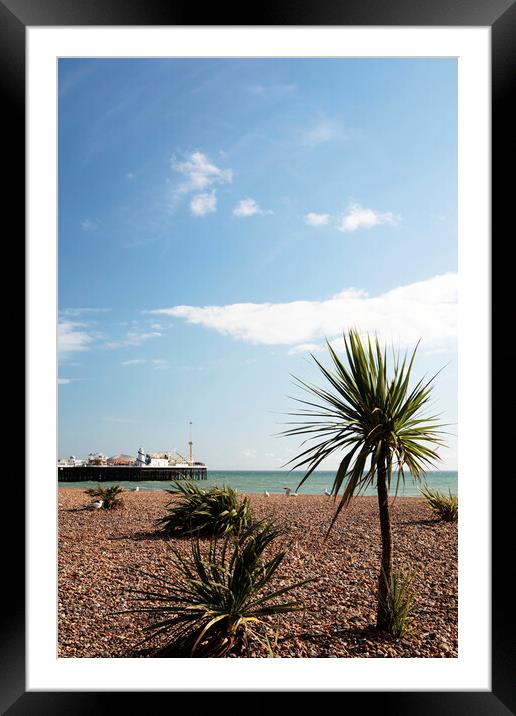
{"type": "Point", "coordinates": [97, 547]}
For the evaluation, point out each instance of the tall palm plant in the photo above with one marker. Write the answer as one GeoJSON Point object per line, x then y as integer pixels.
{"type": "Point", "coordinates": [378, 422]}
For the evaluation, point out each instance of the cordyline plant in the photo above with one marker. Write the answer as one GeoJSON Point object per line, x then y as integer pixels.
{"type": "Point", "coordinates": [110, 496]}
{"type": "Point", "coordinates": [213, 604]}
{"type": "Point", "coordinates": [200, 512]}
{"type": "Point", "coordinates": [376, 419]}
{"type": "Point", "coordinates": [445, 507]}
{"type": "Point", "coordinates": [398, 602]}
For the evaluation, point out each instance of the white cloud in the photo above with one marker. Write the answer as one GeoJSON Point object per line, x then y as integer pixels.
{"type": "Point", "coordinates": [71, 338]}
{"type": "Point", "coordinates": [306, 348]}
{"type": "Point", "coordinates": [199, 173]}
{"type": "Point", "coordinates": [132, 338]}
{"type": "Point", "coordinates": [63, 381]}
{"type": "Point", "coordinates": [134, 361]}
{"type": "Point", "coordinates": [159, 363]}
{"type": "Point", "coordinates": [325, 130]}
{"type": "Point", "coordinates": [359, 217]}
{"type": "Point", "coordinates": [314, 219]}
{"type": "Point", "coordinates": [427, 310]}
{"type": "Point", "coordinates": [248, 207]}
{"type": "Point", "coordinates": [82, 311]}
{"type": "Point", "coordinates": [203, 204]}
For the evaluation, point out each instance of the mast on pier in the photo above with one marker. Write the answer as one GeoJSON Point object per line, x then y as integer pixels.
{"type": "Point", "coordinates": [190, 447]}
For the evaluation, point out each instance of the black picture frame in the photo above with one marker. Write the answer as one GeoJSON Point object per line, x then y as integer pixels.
{"type": "Point", "coordinates": [500, 16]}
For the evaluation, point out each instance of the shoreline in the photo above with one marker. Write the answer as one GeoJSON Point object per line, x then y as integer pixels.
{"type": "Point", "coordinates": [256, 483]}
{"type": "Point", "coordinates": [95, 548]}
{"type": "Point", "coordinates": [301, 495]}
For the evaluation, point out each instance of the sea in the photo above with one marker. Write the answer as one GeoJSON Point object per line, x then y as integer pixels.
{"type": "Point", "coordinates": [273, 481]}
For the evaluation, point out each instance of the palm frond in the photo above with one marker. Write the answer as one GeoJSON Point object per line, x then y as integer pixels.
{"type": "Point", "coordinates": [366, 408]}
{"type": "Point", "coordinates": [221, 598]}
{"type": "Point", "coordinates": [198, 511]}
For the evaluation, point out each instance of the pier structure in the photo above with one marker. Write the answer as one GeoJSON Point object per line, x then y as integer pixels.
{"type": "Point", "coordinates": [130, 473]}
{"type": "Point", "coordinates": [146, 467]}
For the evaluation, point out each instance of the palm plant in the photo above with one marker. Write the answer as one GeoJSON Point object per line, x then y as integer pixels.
{"type": "Point", "coordinates": [215, 511]}
{"type": "Point", "coordinates": [217, 602]}
{"type": "Point", "coordinates": [110, 496]}
{"type": "Point", "coordinates": [397, 602]}
{"type": "Point", "coordinates": [376, 420]}
{"type": "Point", "coordinates": [446, 507]}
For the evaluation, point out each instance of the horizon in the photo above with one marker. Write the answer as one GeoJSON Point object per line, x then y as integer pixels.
{"type": "Point", "coordinates": [279, 469]}
{"type": "Point", "coordinates": [219, 218]}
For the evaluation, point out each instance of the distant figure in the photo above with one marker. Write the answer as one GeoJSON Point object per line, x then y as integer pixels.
{"type": "Point", "coordinates": [327, 493]}
{"type": "Point", "coordinates": [266, 494]}
{"type": "Point", "coordinates": [137, 489]}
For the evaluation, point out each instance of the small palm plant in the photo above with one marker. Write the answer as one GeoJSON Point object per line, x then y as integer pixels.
{"type": "Point", "coordinates": [378, 422]}
{"type": "Point", "coordinates": [446, 507]}
{"type": "Point", "coordinates": [218, 602]}
{"type": "Point", "coordinates": [397, 603]}
{"type": "Point", "coordinates": [200, 512]}
{"type": "Point", "coordinates": [110, 496]}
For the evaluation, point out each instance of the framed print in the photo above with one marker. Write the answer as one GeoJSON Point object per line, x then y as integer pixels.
{"type": "Point", "coordinates": [204, 203]}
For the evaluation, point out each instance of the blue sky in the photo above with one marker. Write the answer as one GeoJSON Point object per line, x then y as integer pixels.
{"type": "Point", "coordinates": [218, 218]}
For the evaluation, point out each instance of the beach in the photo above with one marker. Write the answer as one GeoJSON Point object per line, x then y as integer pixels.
{"type": "Point", "coordinates": [97, 547]}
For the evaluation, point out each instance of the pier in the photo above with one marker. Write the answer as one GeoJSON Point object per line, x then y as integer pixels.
{"type": "Point", "coordinates": [130, 473]}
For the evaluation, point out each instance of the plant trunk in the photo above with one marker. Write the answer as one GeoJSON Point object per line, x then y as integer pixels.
{"type": "Point", "coordinates": [385, 529]}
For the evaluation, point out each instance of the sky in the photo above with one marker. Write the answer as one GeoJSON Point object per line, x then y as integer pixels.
{"type": "Point", "coordinates": [220, 218]}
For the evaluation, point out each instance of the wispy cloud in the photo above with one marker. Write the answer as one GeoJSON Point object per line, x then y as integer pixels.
{"type": "Point", "coordinates": [314, 219]}
{"type": "Point", "coordinates": [156, 363]}
{"type": "Point", "coordinates": [132, 338]}
{"type": "Point", "coordinates": [72, 338]}
{"type": "Point", "coordinates": [82, 311]}
{"type": "Point", "coordinates": [426, 309]}
{"type": "Point", "coordinates": [249, 207]}
{"type": "Point", "coordinates": [274, 91]}
{"type": "Point", "coordinates": [88, 225]}
{"type": "Point", "coordinates": [135, 338]}
{"type": "Point", "coordinates": [159, 363]}
{"type": "Point", "coordinates": [203, 204]}
{"type": "Point", "coordinates": [306, 348]}
{"type": "Point", "coordinates": [64, 381]}
{"type": "Point", "coordinates": [359, 217]}
{"type": "Point", "coordinates": [354, 218]}
{"type": "Point", "coordinates": [199, 174]}
{"type": "Point", "coordinates": [323, 131]}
